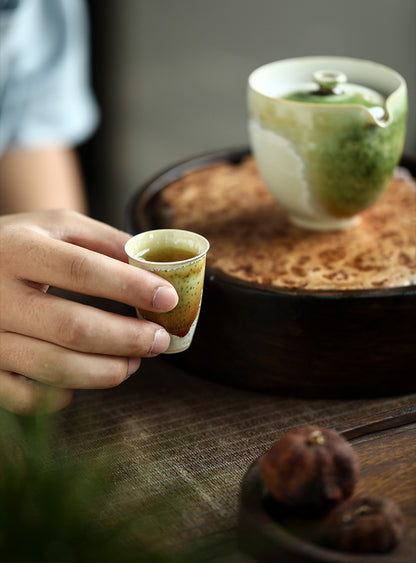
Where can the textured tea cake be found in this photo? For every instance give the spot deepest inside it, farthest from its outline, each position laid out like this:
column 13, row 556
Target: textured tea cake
column 252, row 239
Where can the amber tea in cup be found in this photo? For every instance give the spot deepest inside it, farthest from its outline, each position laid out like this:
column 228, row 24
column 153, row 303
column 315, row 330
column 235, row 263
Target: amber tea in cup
column 168, row 254
column 179, row 257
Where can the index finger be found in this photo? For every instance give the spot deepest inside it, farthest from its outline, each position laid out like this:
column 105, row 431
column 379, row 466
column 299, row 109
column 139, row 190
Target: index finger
column 39, row 258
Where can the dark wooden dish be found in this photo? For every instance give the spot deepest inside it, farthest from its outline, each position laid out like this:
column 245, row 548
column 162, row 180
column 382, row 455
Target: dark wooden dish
column 386, row 448
column 287, row 341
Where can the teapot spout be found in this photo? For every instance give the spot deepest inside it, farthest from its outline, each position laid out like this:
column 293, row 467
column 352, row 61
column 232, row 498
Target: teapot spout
column 380, row 116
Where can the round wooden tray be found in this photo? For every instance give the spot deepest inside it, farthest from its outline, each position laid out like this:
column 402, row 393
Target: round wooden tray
column 386, row 448
column 288, row 341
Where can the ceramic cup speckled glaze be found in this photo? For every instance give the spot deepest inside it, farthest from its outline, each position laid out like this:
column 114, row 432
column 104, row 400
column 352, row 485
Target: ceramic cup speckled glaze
column 179, row 257
column 325, row 162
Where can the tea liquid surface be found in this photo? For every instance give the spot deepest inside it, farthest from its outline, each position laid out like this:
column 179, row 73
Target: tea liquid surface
column 166, row 254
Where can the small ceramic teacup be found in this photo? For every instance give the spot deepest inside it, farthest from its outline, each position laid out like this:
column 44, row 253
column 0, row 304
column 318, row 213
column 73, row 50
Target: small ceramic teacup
column 178, row 256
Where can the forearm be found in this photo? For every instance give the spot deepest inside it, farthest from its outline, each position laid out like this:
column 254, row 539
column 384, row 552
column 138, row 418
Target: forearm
column 36, row 179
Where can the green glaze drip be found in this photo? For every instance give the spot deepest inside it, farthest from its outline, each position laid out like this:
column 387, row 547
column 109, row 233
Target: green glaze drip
column 348, row 171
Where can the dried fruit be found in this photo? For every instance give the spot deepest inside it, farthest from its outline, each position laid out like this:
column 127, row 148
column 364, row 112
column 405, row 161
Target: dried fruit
column 365, row 524
column 310, row 467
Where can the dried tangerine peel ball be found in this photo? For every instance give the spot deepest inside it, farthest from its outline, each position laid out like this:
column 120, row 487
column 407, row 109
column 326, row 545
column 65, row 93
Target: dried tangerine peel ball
column 365, row 524
column 310, row 467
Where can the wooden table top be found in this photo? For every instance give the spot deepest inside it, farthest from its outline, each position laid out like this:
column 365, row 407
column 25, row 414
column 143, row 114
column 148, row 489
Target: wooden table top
column 177, row 432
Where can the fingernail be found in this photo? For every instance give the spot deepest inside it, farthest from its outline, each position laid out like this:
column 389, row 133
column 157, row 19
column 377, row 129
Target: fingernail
column 165, row 298
column 134, row 364
column 161, row 341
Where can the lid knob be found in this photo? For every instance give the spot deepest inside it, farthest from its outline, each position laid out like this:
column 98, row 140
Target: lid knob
column 329, row 80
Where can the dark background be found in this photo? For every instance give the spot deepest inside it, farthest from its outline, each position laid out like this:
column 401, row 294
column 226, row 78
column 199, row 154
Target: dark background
column 170, row 76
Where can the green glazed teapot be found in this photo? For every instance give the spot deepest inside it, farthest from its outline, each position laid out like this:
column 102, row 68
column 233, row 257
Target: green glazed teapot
column 326, row 134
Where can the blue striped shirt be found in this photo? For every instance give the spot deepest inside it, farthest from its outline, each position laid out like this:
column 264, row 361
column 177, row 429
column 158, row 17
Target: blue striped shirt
column 45, row 93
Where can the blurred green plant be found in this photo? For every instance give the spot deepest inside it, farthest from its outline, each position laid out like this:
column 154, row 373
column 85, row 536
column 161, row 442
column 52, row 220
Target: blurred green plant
column 54, row 504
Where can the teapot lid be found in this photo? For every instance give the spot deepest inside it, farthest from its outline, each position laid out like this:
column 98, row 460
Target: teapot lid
column 332, row 87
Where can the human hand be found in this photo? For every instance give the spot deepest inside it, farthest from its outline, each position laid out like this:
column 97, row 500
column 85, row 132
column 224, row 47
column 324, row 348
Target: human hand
column 57, row 344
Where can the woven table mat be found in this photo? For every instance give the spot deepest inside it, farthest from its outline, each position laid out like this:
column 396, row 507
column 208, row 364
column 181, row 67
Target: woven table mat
column 184, row 443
